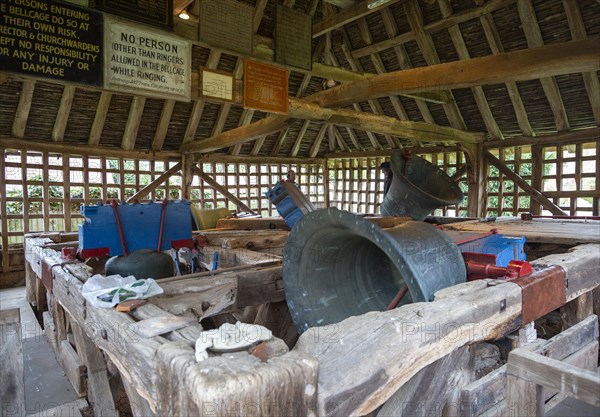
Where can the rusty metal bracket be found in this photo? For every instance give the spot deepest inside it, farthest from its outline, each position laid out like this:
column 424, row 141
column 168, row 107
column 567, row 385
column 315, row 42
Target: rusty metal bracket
column 542, row 292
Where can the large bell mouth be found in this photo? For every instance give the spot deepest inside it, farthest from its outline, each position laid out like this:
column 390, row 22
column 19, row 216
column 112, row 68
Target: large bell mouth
column 418, row 188
column 337, row 265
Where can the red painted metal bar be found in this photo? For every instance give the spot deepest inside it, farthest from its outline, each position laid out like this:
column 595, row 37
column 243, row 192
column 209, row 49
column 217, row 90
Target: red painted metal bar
column 398, row 297
column 115, row 206
column 162, row 223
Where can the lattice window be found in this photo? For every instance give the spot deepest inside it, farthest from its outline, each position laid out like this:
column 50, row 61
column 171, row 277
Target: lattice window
column 571, row 177
column 453, row 164
column 250, row 181
column 504, row 197
column 356, row 184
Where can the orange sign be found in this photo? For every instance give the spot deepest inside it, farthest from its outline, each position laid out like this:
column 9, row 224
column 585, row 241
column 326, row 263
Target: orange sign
column 265, row 87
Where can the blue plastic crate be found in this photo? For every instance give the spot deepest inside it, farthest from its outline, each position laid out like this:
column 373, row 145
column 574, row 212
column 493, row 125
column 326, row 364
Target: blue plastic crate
column 286, row 207
column 140, row 224
column 503, row 247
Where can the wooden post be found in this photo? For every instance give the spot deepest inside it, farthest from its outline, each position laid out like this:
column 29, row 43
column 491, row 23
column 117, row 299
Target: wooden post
column 523, row 398
column 12, row 387
column 187, row 176
column 5, row 256
column 476, row 177
column 99, row 392
column 576, row 310
column 537, row 172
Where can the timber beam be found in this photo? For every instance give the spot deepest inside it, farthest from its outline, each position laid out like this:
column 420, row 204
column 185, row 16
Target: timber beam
column 546, row 61
column 562, row 138
column 301, row 109
column 85, row 150
column 416, row 150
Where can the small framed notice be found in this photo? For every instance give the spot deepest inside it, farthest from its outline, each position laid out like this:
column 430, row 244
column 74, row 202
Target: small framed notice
column 265, row 87
column 216, row 85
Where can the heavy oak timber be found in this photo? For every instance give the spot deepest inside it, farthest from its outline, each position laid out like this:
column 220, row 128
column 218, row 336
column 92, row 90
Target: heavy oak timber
column 85, row 150
column 565, row 58
column 22, row 112
column 514, row 177
column 163, row 125
column 493, row 38
column 356, row 376
column 534, row 38
column 133, row 122
column 453, row 20
column 266, row 126
column 213, row 183
column 154, row 184
column 590, row 79
column 64, row 110
column 99, row 118
column 381, row 124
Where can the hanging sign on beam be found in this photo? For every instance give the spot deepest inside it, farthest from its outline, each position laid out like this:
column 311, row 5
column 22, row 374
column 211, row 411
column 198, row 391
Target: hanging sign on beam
column 265, row 87
column 216, row 85
column 227, row 24
column 293, row 38
column 153, row 64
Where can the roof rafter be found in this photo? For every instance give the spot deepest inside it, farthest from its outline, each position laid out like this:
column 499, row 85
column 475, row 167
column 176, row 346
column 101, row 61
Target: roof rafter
column 493, row 38
column 478, row 93
column 590, row 79
column 452, row 20
column 64, row 110
column 23, row 108
column 534, row 38
column 427, row 47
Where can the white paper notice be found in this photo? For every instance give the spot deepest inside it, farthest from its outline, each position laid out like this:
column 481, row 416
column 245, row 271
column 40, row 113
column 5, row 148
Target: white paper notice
column 147, row 63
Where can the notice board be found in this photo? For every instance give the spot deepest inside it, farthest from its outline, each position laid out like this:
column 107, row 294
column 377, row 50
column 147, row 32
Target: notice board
column 265, row 87
column 50, row 39
column 227, row 24
column 293, row 38
column 150, row 63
